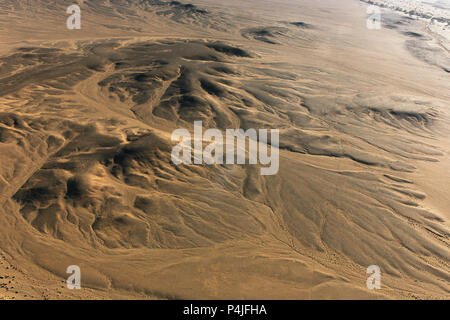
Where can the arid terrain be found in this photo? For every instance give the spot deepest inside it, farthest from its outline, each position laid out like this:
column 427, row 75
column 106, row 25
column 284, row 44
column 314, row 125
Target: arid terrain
column 86, row 176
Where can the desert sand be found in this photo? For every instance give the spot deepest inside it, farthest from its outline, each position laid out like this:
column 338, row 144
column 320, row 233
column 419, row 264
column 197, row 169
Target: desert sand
column 86, row 178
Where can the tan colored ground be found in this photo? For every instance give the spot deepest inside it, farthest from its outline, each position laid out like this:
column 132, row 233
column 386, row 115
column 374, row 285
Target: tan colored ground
column 86, row 177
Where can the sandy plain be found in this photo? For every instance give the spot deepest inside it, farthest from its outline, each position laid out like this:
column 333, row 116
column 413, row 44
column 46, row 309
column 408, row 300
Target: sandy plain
column 85, row 172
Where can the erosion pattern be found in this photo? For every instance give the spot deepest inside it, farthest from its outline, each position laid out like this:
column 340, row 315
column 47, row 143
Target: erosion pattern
column 86, row 176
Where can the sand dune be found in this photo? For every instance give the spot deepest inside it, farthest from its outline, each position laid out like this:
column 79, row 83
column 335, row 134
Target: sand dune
column 86, row 176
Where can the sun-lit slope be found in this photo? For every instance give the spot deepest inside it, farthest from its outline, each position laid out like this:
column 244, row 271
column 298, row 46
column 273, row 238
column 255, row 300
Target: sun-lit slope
column 86, row 176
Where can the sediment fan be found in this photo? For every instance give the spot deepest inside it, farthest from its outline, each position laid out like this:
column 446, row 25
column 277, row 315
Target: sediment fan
column 86, row 176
